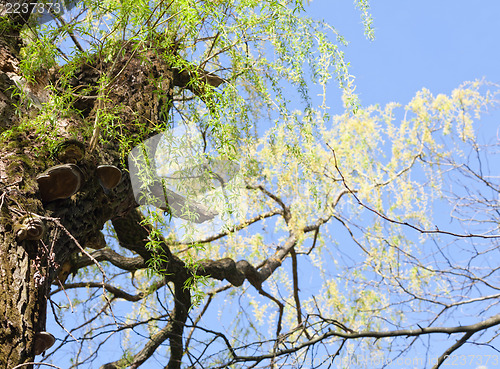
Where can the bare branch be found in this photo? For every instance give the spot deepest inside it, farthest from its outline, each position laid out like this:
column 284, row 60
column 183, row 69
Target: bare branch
column 117, row 293
column 406, row 224
column 236, row 228
column 296, row 289
column 280, row 306
column 286, row 210
column 457, row 344
column 469, row 329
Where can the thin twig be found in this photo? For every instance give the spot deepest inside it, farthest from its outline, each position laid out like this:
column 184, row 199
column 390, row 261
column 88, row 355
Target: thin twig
column 36, row 363
column 57, row 320
column 281, row 308
column 104, row 277
column 385, row 217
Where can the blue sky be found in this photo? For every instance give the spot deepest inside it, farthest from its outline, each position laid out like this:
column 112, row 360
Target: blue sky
column 432, row 44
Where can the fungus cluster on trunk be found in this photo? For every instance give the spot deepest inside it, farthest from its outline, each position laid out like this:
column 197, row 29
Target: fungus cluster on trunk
column 64, row 180
column 60, row 182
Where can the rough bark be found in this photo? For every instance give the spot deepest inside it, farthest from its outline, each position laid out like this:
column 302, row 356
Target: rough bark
column 22, row 266
column 27, row 267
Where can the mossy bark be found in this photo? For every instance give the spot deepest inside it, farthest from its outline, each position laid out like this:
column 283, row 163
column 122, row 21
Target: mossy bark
column 28, row 267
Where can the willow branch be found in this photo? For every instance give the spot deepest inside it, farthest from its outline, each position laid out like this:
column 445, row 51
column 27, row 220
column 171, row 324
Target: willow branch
column 406, row 224
column 473, row 328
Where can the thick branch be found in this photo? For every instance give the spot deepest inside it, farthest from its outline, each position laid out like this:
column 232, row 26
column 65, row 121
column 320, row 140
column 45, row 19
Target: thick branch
column 182, row 305
column 296, row 297
column 119, row 261
column 234, row 272
column 134, row 236
column 172, row 331
column 131, row 234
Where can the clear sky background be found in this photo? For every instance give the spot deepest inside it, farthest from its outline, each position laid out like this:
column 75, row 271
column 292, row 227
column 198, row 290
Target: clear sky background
column 427, row 43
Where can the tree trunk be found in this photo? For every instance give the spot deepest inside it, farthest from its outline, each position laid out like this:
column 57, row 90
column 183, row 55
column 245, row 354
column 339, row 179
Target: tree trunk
column 28, row 265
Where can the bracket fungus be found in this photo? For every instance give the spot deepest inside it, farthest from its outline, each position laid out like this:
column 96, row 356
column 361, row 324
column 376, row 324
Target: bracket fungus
column 43, row 341
column 59, row 182
column 30, row 227
column 70, row 151
column 109, row 176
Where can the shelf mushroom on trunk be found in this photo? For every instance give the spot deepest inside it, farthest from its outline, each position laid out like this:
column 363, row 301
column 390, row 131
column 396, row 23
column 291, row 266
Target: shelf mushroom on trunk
column 109, row 176
column 43, row 341
column 59, row 182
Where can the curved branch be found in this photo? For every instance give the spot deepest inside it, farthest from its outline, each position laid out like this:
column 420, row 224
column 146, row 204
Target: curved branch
column 35, row 363
column 281, row 308
column 196, row 81
column 107, row 254
column 131, row 234
column 197, row 320
column 148, row 349
column 485, row 324
column 134, row 236
column 172, row 331
column 406, row 224
column 286, row 210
